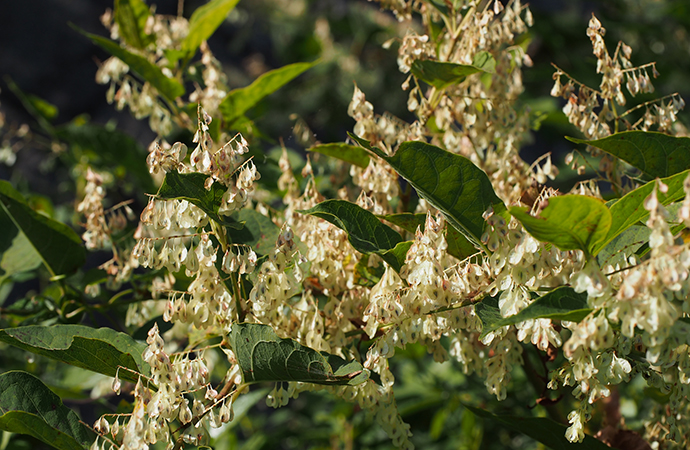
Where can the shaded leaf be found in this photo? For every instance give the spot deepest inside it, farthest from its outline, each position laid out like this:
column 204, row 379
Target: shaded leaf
column 395, row 257
column 204, row 22
column 170, row 88
column 656, row 154
column 57, row 245
column 629, row 210
column 458, row 245
column 349, row 153
column 143, row 331
column 365, row 232
column 570, row 222
column 110, row 146
column 131, row 17
column 263, row 356
column 100, row 350
column 259, row 231
column 622, row 246
column 450, row 183
column 541, row 429
column 562, row 303
column 42, row 107
column 239, row 101
column 444, row 74
column 17, row 254
column 190, row 187
column 29, row 407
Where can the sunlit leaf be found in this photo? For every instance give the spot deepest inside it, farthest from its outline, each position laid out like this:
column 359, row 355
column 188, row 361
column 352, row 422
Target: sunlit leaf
column 131, row 17
column 263, row 356
column 629, row 210
column 444, row 74
column 204, row 22
column 656, row 154
column 349, row 153
column 365, row 232
column 170, row 88
column 541, row 429
column 450, row 183
column 562, row 303
column 570, row 222
column 458, row 245
column 57, row 245
column 100, row 350
column 622, row 246
column 44, row 108
column 239, row 101
column 27, row 406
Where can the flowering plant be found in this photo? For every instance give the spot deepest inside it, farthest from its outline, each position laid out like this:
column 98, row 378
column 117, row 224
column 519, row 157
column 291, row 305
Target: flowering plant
column 439, row 236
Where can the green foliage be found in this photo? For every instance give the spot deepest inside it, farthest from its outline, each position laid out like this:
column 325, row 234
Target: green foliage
column 443, row 74
column 560, row 304
column 449, row 182
column 34, row 236
column 655, row 154
column 29, row 407
column 131, row 17
column 570, row 222
column 264, row 356
column 204, row 22
column 349, row 153
column 101, row 350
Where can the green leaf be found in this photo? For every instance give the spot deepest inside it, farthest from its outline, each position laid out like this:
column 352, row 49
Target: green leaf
column 365, row 232
column 444, row 74
column 110, row 147
column 57, row 245
column 239, row 101
column 170, row 88
column 629, row 210
column 562, row 303
column 47, row 110
column 190, row 187
column 17, row 254
column 263, row 356
column 396, row 256
column 204, row 22
column 100, row 350
column 131, row 17
column 349, row 153
column 450, row 183
column 259, row 231
column 546, row 431
column 622, row 246
column 570, row 222
column 458, row 245
column 29, row 407
column 656, row 154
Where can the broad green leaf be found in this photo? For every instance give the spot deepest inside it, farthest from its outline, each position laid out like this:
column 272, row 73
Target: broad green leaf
column 131, row 17
column 395, row 257
column 629, row 210
column 239, row 101
column 623, row 246
column 190, row 187
column 100, row 350
column 562, row 303
column 17, row 254
column 110, row 147
column 170, row 88
column 444, row 74
column 570, row 222
column 29, row 407
column 259, row 231
column 204, row 22
column 365, row 232
column 541, row 429
column 57, row 245
column 656, row 154
column 458, row 245
column 263, row 356
column 450, row 183
column 349, row 153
